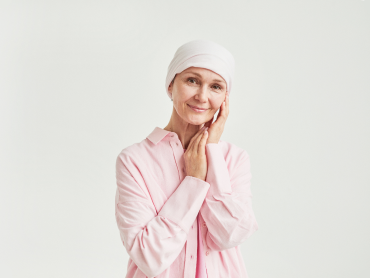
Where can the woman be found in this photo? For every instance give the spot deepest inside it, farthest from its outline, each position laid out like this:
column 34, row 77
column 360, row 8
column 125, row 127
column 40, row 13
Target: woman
column 183, row 201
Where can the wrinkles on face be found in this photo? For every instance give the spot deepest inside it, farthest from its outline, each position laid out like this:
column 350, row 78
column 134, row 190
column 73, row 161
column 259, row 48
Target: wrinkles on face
column 197, row 87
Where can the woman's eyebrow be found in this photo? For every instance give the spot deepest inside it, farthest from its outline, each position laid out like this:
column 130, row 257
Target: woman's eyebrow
column 197, row 74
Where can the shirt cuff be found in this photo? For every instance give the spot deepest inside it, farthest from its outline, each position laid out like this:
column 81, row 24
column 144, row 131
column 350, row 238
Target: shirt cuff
column 184, row 204
column 218, row 173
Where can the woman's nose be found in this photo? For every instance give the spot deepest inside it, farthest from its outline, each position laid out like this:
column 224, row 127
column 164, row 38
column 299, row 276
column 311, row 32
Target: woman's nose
column 202, row 93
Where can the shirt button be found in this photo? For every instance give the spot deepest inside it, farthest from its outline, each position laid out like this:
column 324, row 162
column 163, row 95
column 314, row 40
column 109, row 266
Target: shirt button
column 192, row 226
column 177, row 144
column 191, row 256
column 172, row 135
column 204, row 224
column 207, row 253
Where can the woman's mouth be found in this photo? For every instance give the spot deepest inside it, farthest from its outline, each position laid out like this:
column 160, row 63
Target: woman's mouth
column 196, row 109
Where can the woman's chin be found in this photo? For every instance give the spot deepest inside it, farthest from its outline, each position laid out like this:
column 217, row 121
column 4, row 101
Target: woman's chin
column 196, row 121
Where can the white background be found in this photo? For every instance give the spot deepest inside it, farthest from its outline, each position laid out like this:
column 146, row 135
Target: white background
column 81, row 80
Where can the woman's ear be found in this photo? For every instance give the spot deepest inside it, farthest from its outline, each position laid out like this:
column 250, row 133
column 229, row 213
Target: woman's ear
column 170, row 87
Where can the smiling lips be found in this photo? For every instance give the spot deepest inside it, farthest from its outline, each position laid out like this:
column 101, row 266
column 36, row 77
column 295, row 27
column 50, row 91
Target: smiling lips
column 197, row 109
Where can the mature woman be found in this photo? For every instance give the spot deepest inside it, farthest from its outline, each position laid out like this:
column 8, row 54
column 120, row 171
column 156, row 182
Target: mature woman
column 183, row 201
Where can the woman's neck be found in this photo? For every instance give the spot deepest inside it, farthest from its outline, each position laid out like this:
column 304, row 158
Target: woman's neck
column 183, row 129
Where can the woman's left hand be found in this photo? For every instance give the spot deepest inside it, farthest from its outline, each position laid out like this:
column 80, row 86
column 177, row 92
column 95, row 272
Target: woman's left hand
column 216, row 128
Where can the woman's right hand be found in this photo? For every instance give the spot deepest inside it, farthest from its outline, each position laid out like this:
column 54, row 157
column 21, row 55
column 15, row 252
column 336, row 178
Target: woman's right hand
column 195, row 155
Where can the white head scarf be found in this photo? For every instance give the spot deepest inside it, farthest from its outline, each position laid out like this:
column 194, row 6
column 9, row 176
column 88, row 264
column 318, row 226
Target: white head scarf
column 203, row 54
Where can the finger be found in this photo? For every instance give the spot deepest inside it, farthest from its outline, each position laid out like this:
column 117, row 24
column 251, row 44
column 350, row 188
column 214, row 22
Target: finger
column 218, row 115
column 194, row 138
column 222, row 116
column 223, row 107
column 197, row 140
column 227, row 102
column 202, row 143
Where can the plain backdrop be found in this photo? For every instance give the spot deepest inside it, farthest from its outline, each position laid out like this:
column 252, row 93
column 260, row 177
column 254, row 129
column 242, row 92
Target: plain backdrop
column 81, row 80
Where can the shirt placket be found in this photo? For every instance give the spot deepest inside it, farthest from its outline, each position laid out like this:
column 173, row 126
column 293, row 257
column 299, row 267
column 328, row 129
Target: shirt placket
column 191, row 241
column 206, row 251
column 178, row 152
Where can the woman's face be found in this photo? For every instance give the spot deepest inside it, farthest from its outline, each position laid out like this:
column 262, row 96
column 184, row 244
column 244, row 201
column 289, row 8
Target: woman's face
column 197, row 87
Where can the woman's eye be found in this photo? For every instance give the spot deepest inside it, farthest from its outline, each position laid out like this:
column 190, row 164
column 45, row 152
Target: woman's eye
column 191, row 80
column 217, row 87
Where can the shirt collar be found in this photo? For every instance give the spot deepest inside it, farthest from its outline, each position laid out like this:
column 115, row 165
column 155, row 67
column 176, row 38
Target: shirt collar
column 157, row 135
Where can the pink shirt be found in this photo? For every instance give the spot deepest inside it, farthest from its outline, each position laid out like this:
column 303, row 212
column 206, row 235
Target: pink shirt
column 158, row 208
column 201, row 271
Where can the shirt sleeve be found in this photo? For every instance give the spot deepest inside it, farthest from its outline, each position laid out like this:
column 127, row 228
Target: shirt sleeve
column 227, row 209
column 153, row 241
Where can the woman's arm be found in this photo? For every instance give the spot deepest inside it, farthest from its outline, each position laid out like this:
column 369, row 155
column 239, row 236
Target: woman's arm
column 227, row 209
column 154, row 241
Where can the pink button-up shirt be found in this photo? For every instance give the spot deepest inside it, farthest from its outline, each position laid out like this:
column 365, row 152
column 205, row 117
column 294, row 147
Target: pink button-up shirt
column 157, row 209
column 201, row 262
